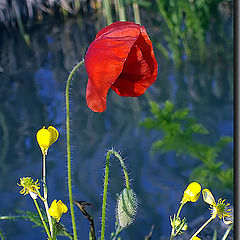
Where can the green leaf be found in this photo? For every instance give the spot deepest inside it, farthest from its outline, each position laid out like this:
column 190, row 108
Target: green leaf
column 154, row 107
column 168, row 107
column 181, row 114
column 199, row 128
column 223, row 141
column 34, row 218
column 179, row 133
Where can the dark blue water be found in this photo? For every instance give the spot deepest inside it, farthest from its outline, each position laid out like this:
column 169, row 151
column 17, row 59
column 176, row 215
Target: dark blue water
column 32, row 96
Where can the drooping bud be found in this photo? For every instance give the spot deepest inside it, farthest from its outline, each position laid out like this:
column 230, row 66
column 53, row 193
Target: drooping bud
column 192, row 192
column 126, row 210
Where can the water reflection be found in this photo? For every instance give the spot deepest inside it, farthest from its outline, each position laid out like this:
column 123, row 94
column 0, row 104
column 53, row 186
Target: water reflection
column 32, row 95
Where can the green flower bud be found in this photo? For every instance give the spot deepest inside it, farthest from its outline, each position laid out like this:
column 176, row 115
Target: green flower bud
column 126, row 207
column 185, row 226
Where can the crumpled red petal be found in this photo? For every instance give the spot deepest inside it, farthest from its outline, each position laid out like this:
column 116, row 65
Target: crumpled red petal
column 121, row 57
column 140, row 69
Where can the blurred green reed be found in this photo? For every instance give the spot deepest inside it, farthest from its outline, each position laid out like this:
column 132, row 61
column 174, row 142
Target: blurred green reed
column 188, row 23
column 107, row 11
column 184, row 24
column 120, row 9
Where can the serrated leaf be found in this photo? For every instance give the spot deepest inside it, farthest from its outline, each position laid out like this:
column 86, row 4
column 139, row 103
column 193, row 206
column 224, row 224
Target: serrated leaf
column 223, row 141
column 154, row 107
column 181, row 114
column 157, row 145
column 199, row 128
column 149, row 123
column 168, row 107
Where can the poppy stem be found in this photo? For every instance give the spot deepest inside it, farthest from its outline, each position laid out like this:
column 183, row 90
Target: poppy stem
column 68, row 147
column 104, row 204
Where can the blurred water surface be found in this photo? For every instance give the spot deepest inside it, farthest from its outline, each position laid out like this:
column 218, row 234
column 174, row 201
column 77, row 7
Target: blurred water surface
column 32, row 96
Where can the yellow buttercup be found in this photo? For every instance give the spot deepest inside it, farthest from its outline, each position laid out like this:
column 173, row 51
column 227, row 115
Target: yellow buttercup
column 219, row 209
column 29, row 187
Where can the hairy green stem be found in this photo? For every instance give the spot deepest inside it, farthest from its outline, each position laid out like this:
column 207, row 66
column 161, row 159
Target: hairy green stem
column 104, row 204
column 117, row 155
column 45, row 195
column 40, row 215
column 68, row 147
column 202, row 227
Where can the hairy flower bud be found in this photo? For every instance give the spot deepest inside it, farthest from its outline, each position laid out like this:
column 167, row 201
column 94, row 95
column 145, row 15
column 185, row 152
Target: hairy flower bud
column 126, row 207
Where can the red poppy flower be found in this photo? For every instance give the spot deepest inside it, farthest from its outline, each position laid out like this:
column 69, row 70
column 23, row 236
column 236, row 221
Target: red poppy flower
column 121, row 58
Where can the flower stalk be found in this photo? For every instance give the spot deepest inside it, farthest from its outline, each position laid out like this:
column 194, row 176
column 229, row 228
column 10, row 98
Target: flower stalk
column 45, row 138
column 179, row 210
column 227, row 232
column 191, row 194
column 45, row 195
column 202, row 227
column 68, row 147
column 104, row 204
column 40, row 215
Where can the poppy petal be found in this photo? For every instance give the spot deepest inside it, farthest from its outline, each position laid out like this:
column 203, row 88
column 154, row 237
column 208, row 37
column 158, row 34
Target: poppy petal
column 119, row 27
column 104, row 61
column 140, row 69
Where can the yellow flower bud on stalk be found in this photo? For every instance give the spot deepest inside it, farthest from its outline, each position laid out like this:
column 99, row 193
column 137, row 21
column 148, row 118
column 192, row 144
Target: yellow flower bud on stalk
column 57, row 209
column 192, row 193
column 46, row 137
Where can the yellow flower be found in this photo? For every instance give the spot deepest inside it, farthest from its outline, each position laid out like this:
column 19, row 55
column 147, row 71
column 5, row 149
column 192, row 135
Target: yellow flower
column 217, row 209
column 196, row 238
column 46, row 137
column 57, row 209
column 29, row 187
column 192, row 193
